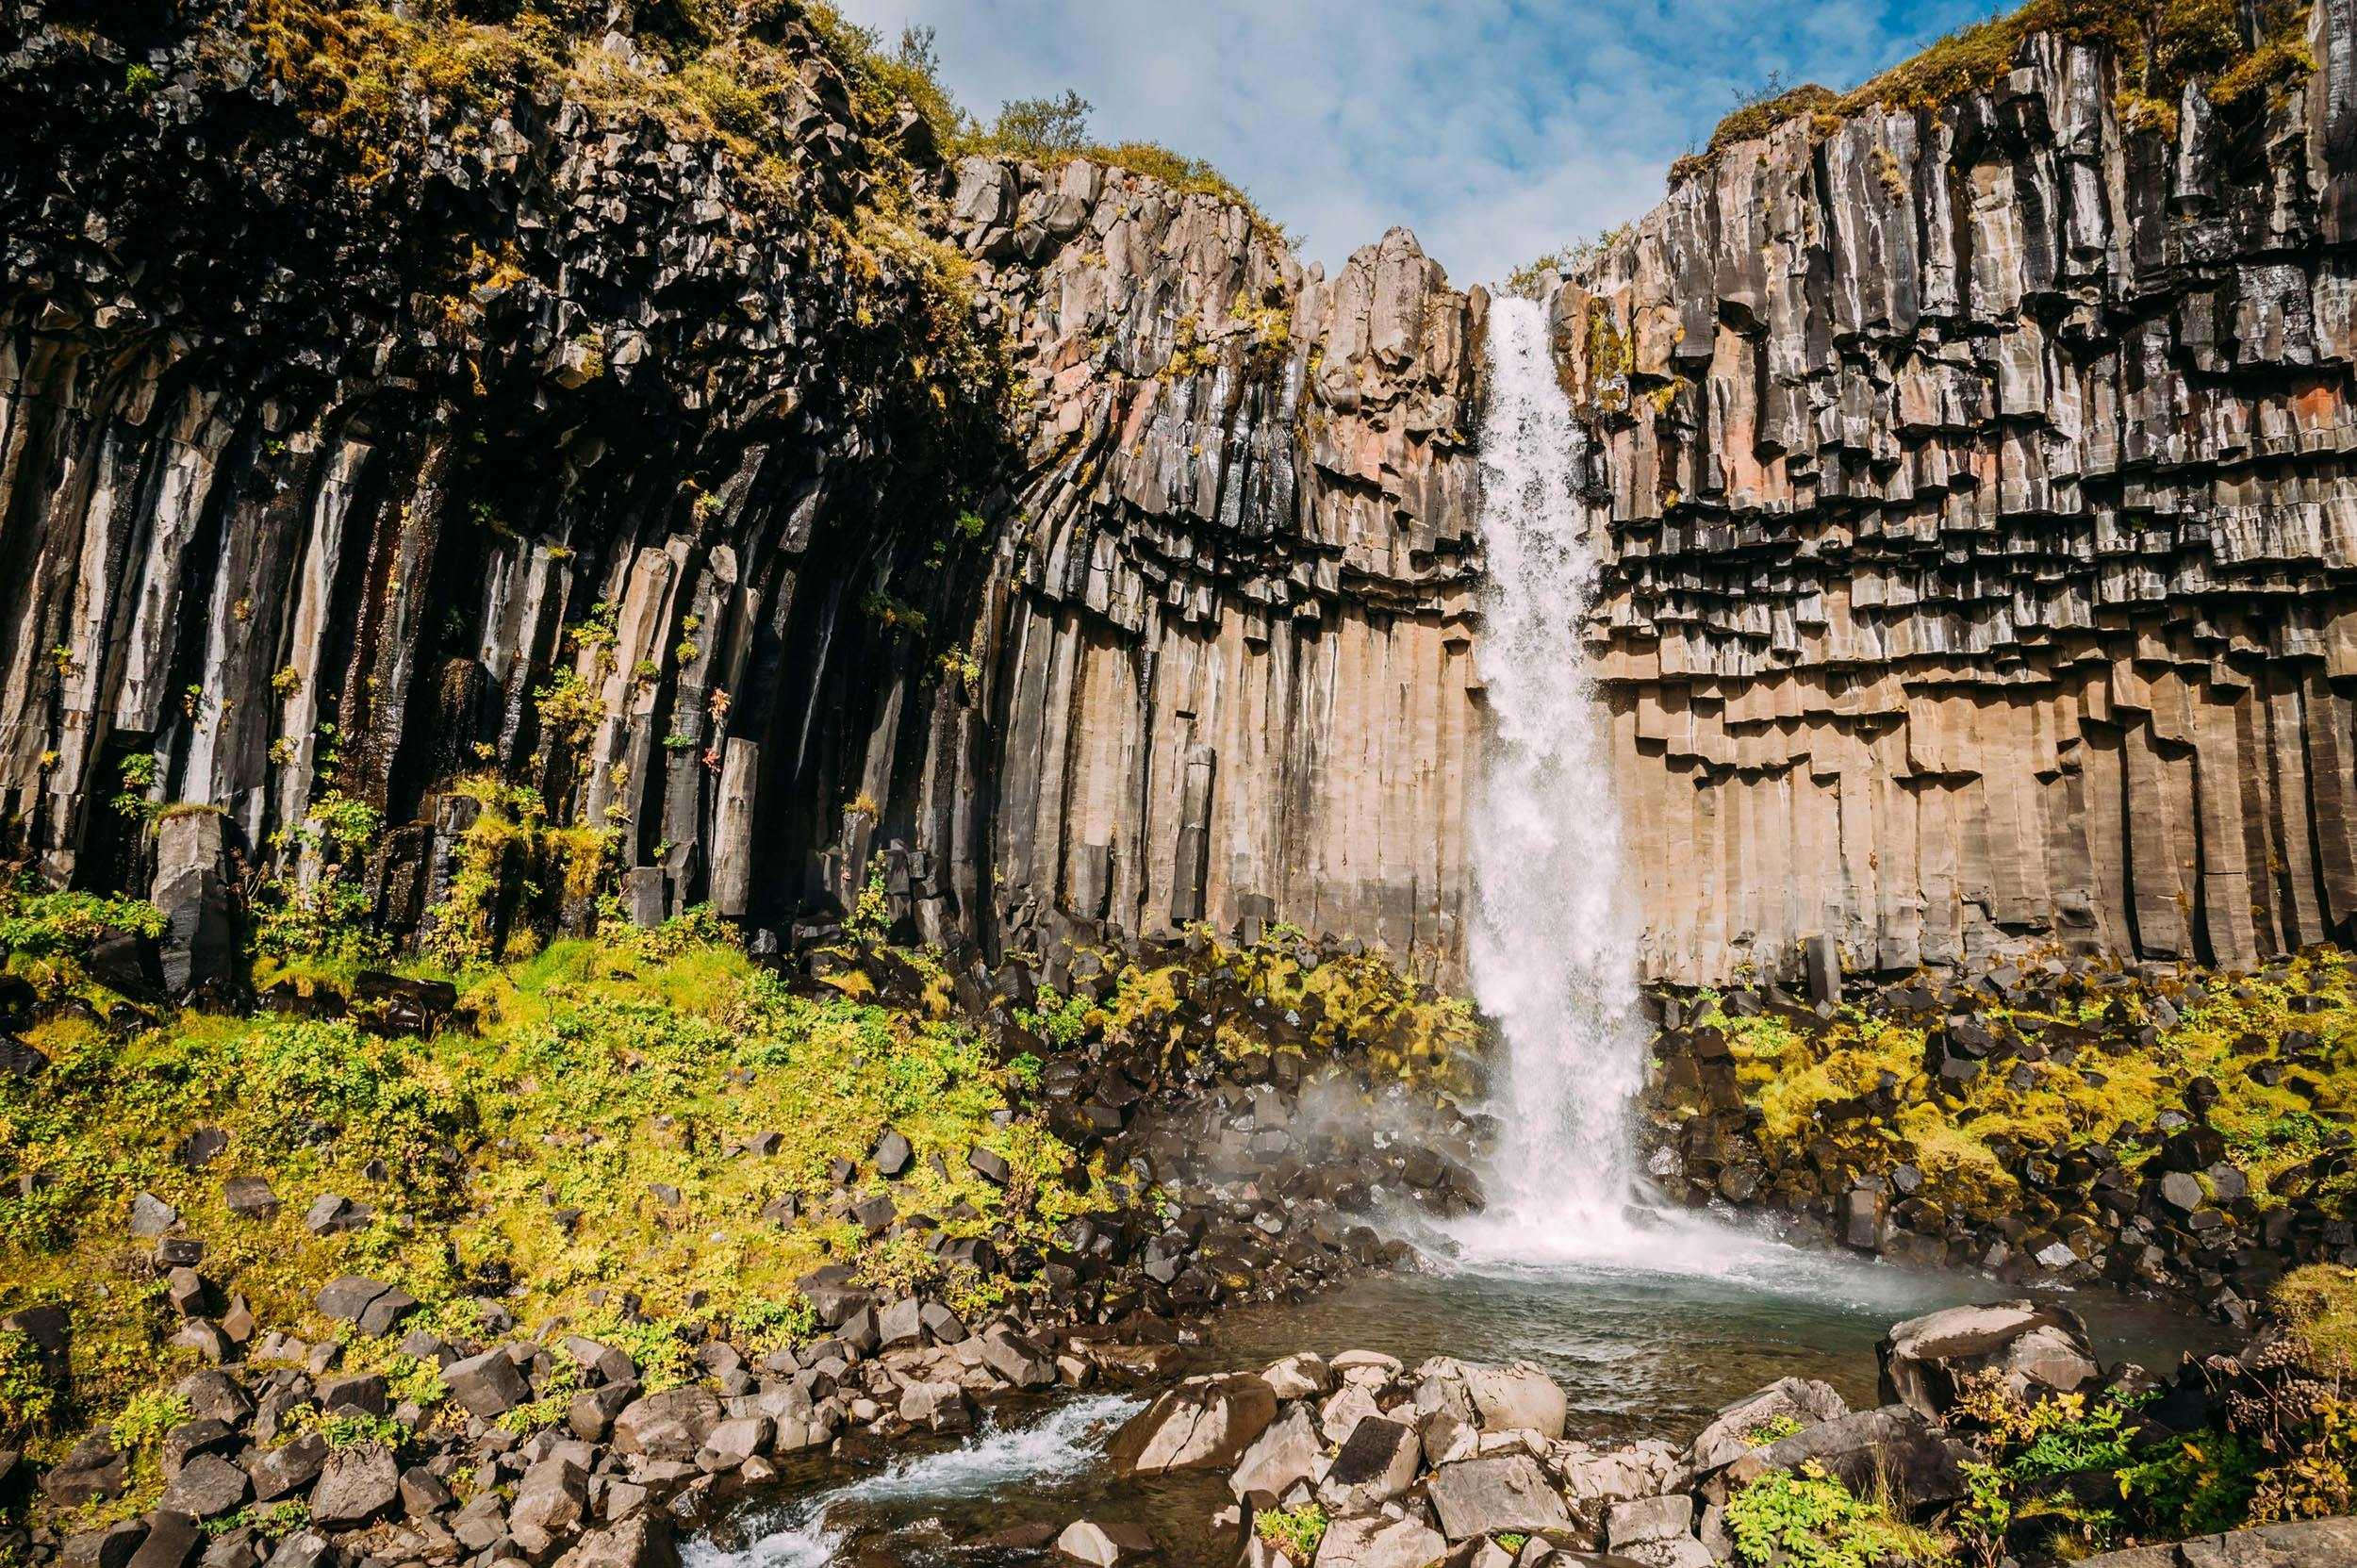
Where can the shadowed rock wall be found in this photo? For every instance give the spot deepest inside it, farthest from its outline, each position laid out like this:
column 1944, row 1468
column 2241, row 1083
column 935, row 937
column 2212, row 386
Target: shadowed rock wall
column 1983, row 532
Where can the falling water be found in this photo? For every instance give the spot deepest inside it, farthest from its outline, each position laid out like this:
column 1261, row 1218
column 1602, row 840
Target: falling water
column 1553, row 943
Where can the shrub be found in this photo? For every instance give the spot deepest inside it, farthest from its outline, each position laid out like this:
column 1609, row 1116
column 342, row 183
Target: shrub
column 1814, row 1520
column 27, row 1398
column 47, row 924
column 1295, row 1533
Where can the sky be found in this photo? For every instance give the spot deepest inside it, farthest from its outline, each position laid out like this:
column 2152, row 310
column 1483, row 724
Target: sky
column 1497, row 129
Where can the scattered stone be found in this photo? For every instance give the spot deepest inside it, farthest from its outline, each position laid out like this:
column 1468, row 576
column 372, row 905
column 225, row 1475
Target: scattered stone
column 1104, row 1545
column 1484, row 1496
column 357, row 1486
column 1202, row 1424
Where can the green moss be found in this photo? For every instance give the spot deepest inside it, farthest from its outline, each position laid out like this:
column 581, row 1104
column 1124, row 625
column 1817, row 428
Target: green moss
column 2318, row 1304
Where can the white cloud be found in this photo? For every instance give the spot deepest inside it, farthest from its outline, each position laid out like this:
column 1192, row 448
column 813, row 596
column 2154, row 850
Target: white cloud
column 1496, row 129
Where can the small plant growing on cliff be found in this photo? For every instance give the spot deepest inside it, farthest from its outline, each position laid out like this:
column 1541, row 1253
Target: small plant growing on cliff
column 286, row 682
column 62, row 657
column 568, row 708
column 1773, row 1430
column 871, row 917
column 135, row 799
column 140, row 79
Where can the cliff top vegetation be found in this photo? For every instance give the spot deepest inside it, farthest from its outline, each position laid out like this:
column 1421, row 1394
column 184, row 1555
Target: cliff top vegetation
column 2163, row 45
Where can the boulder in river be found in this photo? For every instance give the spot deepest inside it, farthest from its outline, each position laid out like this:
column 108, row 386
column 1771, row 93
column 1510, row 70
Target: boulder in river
column 1483, row 1496
column 1104, row 1545
column 1377, row 1541
column 1926, row 1359
column 1739, row 1427
column 1291, row 1451
column 1202, row 1424
column 1892, row 1447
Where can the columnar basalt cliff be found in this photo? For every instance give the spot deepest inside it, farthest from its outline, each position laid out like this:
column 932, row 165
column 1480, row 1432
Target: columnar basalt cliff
column 558, row 444
column 792, row 505
column 1985, row 538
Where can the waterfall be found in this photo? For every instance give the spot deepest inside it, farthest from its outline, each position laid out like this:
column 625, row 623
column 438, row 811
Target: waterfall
column 1553, row 943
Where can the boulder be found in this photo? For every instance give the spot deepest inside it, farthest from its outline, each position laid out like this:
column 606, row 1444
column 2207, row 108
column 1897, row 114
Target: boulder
column 1104, row 1545
column 151, row 1216
column 207, row 1487
column 1643, row 1521
column 370, row 1305
column 640, row 1540
column 1203, row 1423
column 1729, row 1436
column 551, row 1501
column 287, row 1469
column 733, row 1442
column 668, row 1426
column 1289, row 1451
column 2309, row 1544
column 1300, row 1377
column 937, row 1408
column 357, row 1486
column 1377, row 1462
column 172, row 1537
column 1017, row 1359
column 110, row 1547
column 1375, row 1541
column 1592, row 1482
column 94, row 1469
column 488, row 1385
column 200, row 943
column 1925, row 1360
column 1516, row 1397
column 1891, row 1448
column 1483, row 1496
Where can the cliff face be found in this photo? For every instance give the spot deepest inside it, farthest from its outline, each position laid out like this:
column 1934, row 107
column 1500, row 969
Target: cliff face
column 1227, row 623
column 537, row 437
column 1051, row 545
column 1986, row 549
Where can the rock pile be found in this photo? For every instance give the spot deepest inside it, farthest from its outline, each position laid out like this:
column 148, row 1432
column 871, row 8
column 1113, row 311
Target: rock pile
column 2157, row 1203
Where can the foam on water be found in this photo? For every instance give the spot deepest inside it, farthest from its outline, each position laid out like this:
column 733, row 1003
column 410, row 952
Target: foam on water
column 1067, row 1441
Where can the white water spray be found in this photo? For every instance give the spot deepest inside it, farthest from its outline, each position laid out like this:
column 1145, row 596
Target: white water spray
column 1065, row 1443
column 1553, row 945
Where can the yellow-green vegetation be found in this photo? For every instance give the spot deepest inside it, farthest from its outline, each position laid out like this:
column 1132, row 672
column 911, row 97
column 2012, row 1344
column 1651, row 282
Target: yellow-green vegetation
column 1812, row 1519
column 42, row 925
column 1294, row 1531
column 1774, row 1429
column 2318, row 1305
column 591, row 1133
column 2161, row 48
column 1526, row 280
column 509, row 851
column 1048, row 131
column 1794, row 1073
column 1406, row 1032
column 2283, row 1448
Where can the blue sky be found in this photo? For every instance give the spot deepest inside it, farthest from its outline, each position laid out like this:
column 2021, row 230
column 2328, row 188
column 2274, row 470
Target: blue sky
column 1496, row 129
